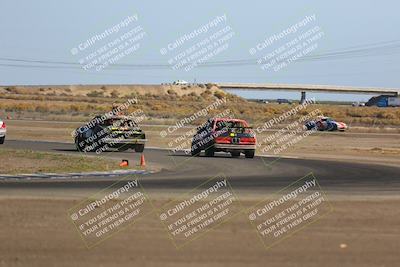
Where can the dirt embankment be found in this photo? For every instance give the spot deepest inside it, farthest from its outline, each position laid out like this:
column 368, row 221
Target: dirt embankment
column 173, row 102
column 37, row 232
column 115, row 91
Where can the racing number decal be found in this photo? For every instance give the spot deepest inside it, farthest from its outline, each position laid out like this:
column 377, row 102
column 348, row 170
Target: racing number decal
column 235, row 140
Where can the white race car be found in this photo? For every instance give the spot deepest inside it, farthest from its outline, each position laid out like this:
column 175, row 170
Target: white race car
column 326, row 124
column 3, row 131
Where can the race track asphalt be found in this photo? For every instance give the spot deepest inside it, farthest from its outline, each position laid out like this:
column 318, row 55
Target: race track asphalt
column 261, row 174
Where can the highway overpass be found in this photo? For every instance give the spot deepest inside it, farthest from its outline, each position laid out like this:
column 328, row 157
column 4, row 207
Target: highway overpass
column 310, row 88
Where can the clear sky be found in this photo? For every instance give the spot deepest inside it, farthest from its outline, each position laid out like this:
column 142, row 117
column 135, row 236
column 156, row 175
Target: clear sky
column 35, row 34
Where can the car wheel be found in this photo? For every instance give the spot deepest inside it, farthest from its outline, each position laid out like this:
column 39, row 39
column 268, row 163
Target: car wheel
column 2, row 140
column 79, row 147
column 210, row 152
column 139, row 148
column 195, row 152
column 249, row 154
column 235, row 154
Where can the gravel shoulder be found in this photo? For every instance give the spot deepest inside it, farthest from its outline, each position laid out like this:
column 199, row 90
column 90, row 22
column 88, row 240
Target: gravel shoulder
column 356, row 233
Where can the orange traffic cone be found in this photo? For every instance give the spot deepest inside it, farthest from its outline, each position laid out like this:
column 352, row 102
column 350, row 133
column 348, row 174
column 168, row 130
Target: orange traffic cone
column 124, row 163
column 142, row 161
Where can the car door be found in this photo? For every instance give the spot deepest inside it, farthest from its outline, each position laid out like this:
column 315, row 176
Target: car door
column 205, row 134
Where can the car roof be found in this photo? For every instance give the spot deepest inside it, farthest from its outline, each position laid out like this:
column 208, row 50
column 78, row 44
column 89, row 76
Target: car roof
column 117, row 117
column 229, row 119
column 233, row 120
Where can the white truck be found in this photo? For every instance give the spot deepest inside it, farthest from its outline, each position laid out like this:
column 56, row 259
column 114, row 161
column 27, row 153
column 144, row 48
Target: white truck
column 393, row 101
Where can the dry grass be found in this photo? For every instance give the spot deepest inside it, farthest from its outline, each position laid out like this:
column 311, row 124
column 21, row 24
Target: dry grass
column 27, row 161
column 166, row 102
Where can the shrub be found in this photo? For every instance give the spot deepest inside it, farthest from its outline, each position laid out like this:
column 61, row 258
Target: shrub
column 42, row 109
column 114, row 94
column 171, row 92
column 206, row 93
column 219, row 94
column 11, row 89
column 95, row 94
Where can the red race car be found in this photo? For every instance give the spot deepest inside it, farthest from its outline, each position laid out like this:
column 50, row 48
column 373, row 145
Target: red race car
column 224, row 134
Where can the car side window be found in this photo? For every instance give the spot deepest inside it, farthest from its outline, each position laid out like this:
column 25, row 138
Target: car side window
column 208, row 126
column 219, row 125
column 200, row 129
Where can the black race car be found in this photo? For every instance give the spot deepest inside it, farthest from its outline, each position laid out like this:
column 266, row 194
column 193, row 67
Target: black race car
column 102, row 133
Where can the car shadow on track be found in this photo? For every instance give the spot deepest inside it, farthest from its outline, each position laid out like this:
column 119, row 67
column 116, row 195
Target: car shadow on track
column 91, row 153
column 202, row 155
column 65, row 150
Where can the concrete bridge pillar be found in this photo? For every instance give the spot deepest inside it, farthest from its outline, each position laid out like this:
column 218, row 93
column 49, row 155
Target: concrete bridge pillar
column 303, row 97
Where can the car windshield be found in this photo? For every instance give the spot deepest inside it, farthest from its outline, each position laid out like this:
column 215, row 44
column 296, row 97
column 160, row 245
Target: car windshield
column 119, row 122
column 230, row 124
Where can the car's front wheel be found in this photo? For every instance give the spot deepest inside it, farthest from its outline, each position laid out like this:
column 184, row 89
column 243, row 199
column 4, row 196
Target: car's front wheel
column 195, row 151
column 139, row 148
column 210, row 151
column 83, row 146
column 78, row 145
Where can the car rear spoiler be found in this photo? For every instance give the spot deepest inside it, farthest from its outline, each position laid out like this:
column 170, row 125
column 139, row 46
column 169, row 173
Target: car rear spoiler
column 240, row 127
